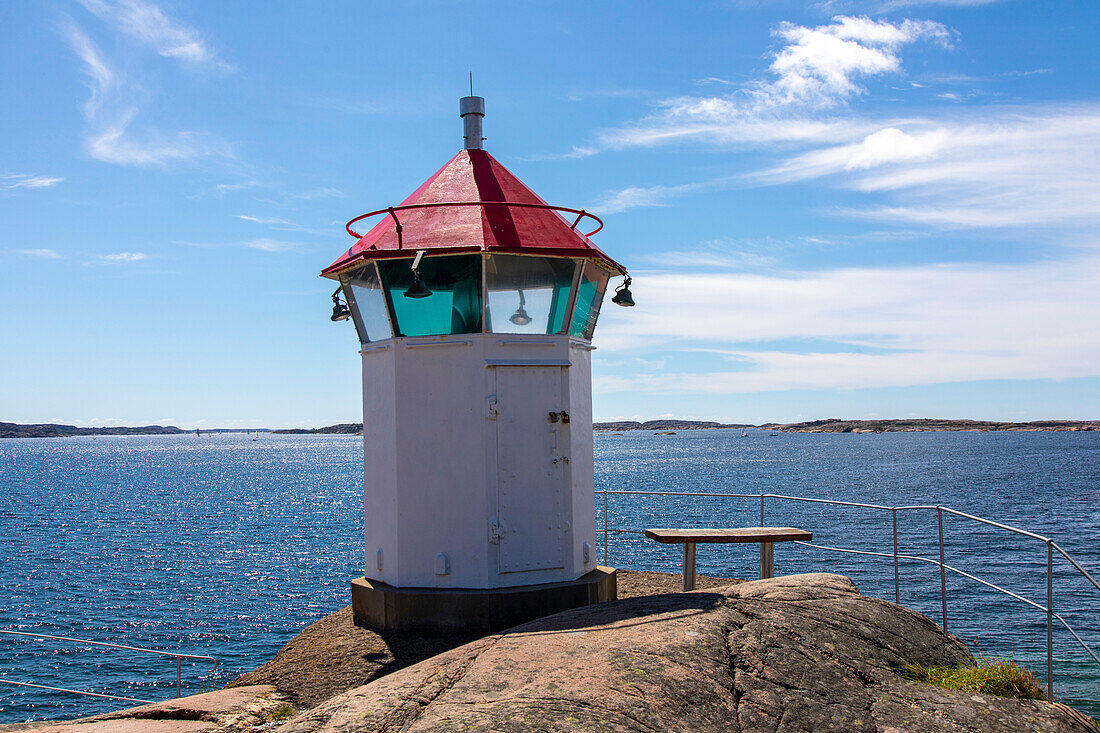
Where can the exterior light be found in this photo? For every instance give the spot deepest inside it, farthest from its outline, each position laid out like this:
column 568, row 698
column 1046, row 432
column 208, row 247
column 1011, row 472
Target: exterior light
column 623, row 296
column 520, row 317
column 340, row 311
column 418, row 289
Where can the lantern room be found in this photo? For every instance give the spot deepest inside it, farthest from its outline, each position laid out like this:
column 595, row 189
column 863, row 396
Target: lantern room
column 475, row 304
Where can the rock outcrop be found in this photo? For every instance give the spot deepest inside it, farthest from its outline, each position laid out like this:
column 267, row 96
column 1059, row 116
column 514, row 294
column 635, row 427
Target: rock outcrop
column 238, row 709
column 796, row 653
column 333, row 655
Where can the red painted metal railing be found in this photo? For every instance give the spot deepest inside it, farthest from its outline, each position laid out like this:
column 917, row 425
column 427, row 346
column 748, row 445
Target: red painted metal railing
column 392, row 211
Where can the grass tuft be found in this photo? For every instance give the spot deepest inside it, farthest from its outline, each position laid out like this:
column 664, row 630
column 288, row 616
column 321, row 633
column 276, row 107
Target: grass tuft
column 283, row 712
column 1000, row 677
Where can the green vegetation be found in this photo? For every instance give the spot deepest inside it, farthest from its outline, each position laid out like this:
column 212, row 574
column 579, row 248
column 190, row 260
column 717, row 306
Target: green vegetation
column 283, row 712
column 1000, row 677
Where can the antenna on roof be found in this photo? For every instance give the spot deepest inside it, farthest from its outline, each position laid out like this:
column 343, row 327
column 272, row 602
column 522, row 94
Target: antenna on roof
column 471, row 83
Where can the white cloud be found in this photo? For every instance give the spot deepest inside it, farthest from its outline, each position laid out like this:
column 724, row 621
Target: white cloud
column 634, row 197
column 264, row 220
column 816, row 69
column 22, row 180
column 1011, row 167
column 111, row 108
column 146, row 23
column 113, row 143
column 993, row 167
column 242, row 186
column 101, row 76
column 819, row 67
column 885, row 326
column 119, row 257
column 269, row 245
column 48, row 254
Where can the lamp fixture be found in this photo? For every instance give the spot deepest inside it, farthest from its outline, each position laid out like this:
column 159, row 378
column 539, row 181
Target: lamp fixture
column 520, row 317
column 622, row 295
column 418, row 289
column 340, row 311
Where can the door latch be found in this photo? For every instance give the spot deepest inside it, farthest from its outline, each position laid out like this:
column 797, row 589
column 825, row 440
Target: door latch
column 562, row 417
column 494, row 407
column 496, row 532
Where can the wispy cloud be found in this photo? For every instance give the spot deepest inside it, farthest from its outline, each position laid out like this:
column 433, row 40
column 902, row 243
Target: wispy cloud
column 634, row 197
column 992, row 167
column 885, row 326
column 284, row 225
column 48, row 254
column 120, row 257
column 110, row 111
column 22, row 180
column 149, row 25
column 242, row 186
column 816, row 69
column 265, row 220
column 269, row 245
column 1008, row 167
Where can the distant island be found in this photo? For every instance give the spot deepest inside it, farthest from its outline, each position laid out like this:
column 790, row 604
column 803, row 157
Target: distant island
column 666, row 425
column 919, row 425
column 347, row 428
column 53, row 430
column 830, row 425
column 13, row 430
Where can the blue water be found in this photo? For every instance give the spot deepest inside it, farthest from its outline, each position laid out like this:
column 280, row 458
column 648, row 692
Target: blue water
column 226, row 546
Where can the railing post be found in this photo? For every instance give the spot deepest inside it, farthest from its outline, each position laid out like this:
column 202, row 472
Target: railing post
column 605, row 548
column 943, row 574
column 1050, row 622
column 761, row 509
column 897, row 587
column 178, row 677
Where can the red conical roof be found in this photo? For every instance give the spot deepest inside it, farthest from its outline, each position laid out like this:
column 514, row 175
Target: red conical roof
column 471, row 176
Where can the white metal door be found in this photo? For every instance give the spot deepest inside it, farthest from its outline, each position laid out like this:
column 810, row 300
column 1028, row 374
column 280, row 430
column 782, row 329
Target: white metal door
column 532, row 447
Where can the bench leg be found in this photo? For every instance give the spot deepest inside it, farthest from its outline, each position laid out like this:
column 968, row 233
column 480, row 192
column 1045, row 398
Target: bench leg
column 765, row 560
column 689, row 566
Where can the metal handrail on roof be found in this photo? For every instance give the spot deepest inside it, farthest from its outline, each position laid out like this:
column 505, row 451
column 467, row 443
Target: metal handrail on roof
column 940, row 510
column 49, row 637
column 581, row 214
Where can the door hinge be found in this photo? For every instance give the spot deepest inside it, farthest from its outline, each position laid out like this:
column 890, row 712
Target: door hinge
column 494, row 408
column 496, row 532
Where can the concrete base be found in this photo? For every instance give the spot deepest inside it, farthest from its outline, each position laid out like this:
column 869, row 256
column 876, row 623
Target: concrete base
column 380, row 607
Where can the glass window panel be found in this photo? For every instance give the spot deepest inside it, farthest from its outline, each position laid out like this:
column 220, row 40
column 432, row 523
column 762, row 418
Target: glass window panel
column 454, row 305
column 589, row 298
column 528, row 294
column 370, row 303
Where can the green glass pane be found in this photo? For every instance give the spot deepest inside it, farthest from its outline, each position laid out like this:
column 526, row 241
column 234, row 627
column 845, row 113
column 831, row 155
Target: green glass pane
column 454, row 305
column 589, row 298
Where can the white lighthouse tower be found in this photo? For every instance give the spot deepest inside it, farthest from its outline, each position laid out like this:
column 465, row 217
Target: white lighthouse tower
column 475, row 302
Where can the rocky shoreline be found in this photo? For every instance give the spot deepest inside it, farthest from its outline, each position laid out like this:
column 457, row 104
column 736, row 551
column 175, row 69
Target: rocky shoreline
column 794, row 653
column 920, row 425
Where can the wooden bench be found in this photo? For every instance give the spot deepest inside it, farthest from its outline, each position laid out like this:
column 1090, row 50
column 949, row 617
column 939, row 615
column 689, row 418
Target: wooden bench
column 764, row 535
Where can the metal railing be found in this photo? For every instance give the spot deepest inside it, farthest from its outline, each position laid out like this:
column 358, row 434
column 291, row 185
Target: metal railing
column 179, row 662
column 944, row 568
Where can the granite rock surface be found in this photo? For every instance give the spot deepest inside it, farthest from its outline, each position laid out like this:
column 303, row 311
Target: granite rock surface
column 796, row 653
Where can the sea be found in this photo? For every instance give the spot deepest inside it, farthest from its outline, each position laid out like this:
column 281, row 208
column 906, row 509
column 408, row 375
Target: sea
column 228, row 545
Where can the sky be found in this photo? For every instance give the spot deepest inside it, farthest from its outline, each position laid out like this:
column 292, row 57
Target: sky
column 846, row 209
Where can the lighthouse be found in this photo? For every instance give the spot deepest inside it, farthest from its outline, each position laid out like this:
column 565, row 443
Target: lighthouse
column 475, row 304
